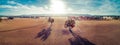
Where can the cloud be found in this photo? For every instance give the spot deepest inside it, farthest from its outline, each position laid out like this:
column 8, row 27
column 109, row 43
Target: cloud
column 7, row 6
column 94, row 7
column 108, row 7
column 12, row 2
column 104, row 7
column 19, row 8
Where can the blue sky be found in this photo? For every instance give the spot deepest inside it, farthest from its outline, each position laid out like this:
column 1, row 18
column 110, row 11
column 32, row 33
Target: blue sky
column 94, row 7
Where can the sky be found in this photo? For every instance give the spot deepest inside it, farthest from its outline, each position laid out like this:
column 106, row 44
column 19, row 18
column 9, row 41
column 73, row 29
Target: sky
column 93, row 7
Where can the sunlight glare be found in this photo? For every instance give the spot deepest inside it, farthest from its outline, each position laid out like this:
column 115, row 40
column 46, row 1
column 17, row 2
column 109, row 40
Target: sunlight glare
column 57, row 7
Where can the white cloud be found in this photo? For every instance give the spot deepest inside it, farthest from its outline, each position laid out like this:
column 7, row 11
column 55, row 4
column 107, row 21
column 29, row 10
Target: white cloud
column 24, row 9
column 7, row 6
column 86, row 8
column 11, row 2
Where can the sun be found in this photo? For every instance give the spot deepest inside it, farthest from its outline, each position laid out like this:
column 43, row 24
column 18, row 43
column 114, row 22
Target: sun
column 57, row 7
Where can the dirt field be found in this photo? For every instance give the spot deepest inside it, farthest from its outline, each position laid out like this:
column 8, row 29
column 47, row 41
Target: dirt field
column 26, row 31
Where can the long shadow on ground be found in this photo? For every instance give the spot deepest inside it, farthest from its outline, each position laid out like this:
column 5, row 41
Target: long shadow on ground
column 44, row 34
column 78, row 40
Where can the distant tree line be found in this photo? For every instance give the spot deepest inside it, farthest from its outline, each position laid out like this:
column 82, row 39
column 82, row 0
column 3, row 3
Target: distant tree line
column 12, row 17
column 95, row 17
column 6, row 18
